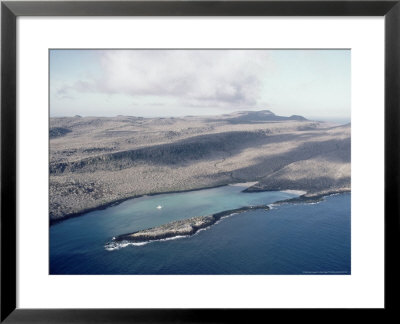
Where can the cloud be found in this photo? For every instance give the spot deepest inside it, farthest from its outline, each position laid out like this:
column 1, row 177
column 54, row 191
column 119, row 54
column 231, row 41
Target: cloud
column 192, row 77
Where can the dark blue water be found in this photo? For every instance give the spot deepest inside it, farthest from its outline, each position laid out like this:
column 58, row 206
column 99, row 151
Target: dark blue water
column 289, row 239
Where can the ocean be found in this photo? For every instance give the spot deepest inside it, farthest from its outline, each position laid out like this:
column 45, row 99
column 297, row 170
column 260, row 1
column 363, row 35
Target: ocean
column 301, row 238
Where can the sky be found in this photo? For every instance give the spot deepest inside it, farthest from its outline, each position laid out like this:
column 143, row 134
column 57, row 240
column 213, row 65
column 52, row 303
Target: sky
column 160, row 83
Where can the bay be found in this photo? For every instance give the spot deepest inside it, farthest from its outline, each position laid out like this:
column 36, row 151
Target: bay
column 289, row 239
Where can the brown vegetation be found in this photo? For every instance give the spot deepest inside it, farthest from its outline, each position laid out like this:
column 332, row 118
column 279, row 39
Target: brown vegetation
column 96, row 161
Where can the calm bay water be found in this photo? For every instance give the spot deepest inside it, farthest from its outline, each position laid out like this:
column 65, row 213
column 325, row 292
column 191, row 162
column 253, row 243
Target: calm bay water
column 289, row 239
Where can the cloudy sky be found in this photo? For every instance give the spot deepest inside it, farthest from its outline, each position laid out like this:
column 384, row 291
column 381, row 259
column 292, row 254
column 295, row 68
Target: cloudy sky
column 312, row 83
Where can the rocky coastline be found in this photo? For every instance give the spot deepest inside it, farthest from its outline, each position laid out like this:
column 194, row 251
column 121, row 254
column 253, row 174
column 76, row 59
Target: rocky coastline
column 315, row 198
column 185, row 227
column 308, row 197
column 190, row 226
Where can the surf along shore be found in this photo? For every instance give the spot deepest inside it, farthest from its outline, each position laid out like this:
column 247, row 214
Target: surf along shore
column 190, row 226
column 185, row 227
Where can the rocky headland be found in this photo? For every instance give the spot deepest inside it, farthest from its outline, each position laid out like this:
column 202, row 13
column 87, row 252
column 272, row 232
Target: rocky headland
column 185, row 227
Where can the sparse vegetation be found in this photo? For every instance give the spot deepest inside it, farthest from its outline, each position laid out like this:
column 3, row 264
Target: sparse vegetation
column 98, row 161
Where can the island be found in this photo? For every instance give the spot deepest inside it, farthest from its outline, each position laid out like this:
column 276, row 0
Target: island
column 185, row 227
column 97, row 162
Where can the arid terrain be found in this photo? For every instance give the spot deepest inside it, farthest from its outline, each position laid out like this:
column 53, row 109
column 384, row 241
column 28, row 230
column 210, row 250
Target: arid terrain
column 97, row 161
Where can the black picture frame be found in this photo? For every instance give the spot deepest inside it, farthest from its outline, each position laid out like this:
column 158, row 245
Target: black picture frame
column 10, row 10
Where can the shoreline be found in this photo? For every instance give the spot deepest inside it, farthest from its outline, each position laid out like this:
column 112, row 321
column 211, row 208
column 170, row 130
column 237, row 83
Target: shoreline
column 302, row 198
column 191, row 226
column 310, row 199
column 121, row 200
column 180, row 228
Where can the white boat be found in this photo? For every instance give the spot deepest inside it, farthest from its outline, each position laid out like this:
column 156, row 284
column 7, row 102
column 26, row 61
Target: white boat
column 159, row 207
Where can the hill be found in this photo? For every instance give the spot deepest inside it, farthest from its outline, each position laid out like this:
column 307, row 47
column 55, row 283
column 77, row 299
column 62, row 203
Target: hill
column 95, row 161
